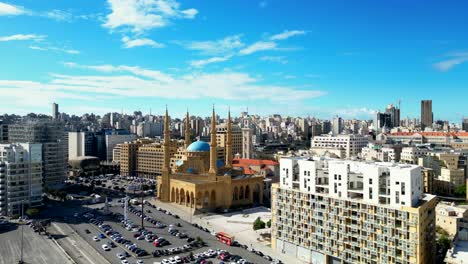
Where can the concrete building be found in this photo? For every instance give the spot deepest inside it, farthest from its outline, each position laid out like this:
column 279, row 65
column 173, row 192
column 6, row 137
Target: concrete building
column 52, row 136
column 3, row 132
column 465, row 124
column 221, row 140
column 451, row 218
column 351, row 145
column 150, row 158
column 384, row 153
column 247, row 144
column 334, row 211
column 80, row 144
column 411, row 155
column 337, row 125
column 427, row 117
column 382, row 120
column 128, row 158
column 114, row 137
column 55, row 111
column 20, row 177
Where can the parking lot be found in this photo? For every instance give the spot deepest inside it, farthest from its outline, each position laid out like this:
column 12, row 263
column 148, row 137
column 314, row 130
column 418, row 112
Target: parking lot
column 240, row 255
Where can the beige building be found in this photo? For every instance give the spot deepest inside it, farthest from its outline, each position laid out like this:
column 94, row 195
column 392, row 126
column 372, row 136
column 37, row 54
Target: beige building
column 221, row 140
column 202, row 181
column 451, row 218
column 150, row 158
column 352, row 212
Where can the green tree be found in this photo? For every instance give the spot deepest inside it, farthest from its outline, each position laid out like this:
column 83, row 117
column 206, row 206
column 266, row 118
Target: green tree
column 269, row 223
column 460, row 190
column 32, row 211
column 258, row 224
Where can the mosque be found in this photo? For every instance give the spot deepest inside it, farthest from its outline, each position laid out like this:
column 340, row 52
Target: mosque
column 202, row 182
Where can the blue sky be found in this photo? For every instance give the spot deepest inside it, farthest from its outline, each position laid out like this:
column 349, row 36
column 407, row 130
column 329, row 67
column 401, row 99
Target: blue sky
column 290, row 57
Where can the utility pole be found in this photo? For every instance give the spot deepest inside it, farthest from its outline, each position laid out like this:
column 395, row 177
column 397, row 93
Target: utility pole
column 142, row 206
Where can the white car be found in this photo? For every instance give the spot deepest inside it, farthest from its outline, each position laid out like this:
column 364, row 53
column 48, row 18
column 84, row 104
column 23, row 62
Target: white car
column 96, row 239
column 120, row 256
column 140, row 262
column 106, row 247
column 165, row 261
column 124, row 261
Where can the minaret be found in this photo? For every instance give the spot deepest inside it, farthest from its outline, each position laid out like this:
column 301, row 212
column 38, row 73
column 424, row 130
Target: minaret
column 187, row 130
column 229, row 142
column 164, row 192
column 213, row 146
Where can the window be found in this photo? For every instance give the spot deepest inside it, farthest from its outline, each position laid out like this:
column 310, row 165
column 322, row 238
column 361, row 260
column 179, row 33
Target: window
column 370, row 181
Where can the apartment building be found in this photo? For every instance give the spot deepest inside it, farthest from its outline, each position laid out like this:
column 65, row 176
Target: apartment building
column 20, row 177
column 150, row 158
column 350, row 144
column 221, row 139
column 451, row 218
column 384, row 153
column 336, row 211
column 52, row 136
column 115, row 137
column 411, row 155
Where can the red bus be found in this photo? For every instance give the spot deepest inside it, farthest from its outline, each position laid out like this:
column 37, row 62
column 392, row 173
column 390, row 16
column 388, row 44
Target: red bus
column 225, row 238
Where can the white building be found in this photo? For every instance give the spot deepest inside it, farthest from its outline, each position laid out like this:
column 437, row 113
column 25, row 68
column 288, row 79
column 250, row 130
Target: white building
column 20, row 177
column 351, row 144
column 342, row 211
column 411, row 155
column 375, row 152
column 79, row 144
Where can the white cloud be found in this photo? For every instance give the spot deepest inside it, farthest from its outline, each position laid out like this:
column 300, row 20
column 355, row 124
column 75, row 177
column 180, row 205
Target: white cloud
column 201, row 63
column 132, row 43
column 142, row 15
column 278, row 59
column 11, row 10
column 23, row 37
column 287, row 34
column 453, row 60
column 51, row 48
column 134, row 81
column 258, row 46
column 216, row 47
column 58, row 15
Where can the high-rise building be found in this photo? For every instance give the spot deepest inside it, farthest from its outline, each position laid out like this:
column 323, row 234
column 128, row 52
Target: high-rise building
column 427, row 117
column 52, row 136
column 55, row 111
column 334, row 211
column 394, row 115
column 382, row 120
column 20, row 177
column 247, row 145
column 3, row 132
column 80, row 144
column 337, row 125
column 465, row 124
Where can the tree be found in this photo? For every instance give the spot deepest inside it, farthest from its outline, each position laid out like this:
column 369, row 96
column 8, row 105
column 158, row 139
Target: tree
column 460, row 190
column 258, row 224
column 269, row 223
column 32, row 211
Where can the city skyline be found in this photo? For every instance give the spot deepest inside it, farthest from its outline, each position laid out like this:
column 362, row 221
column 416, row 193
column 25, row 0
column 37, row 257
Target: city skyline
column 190, row 54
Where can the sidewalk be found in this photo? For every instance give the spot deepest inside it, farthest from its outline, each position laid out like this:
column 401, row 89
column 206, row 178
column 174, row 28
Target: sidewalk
column 204, row 220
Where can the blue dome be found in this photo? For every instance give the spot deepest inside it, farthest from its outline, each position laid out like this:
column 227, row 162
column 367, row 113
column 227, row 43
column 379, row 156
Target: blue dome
column 199, row 146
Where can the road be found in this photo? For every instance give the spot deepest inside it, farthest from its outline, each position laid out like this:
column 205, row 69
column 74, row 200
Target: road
column 38, row 249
